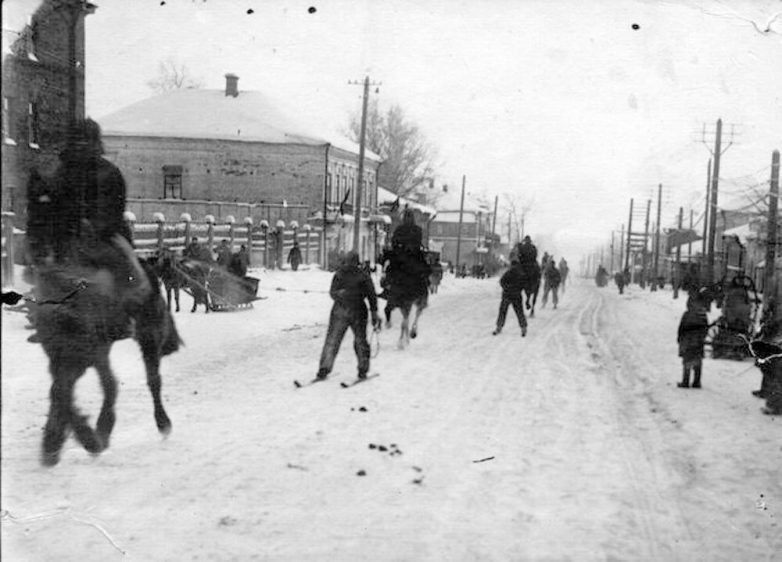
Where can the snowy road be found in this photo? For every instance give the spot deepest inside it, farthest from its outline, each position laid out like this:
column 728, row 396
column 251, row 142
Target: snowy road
column 570, row 444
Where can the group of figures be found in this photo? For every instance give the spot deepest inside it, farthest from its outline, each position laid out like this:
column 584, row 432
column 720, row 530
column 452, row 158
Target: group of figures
column 523, row 278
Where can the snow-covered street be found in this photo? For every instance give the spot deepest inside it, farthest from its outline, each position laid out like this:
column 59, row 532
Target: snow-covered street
column 573, row 443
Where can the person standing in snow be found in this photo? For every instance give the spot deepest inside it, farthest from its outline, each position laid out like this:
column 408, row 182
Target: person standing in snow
column 551, row 279
column 693, row 328
column 511, row 282
column 350, row 288
column 294, row 256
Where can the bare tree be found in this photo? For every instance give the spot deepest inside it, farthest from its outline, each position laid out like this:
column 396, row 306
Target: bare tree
column 519, row 208
column 408, row 159
column 173, row 75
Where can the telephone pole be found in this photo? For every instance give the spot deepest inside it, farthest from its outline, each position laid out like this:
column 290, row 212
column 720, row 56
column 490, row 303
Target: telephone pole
column 629, row 234
column 678, row 275
column 657, row 235
column 612, row 252
column 715, row 178
column 706, row 215
column 360, row 180
column 646, row 244
column 461, row 214
column 769, row 287
column 621, row 247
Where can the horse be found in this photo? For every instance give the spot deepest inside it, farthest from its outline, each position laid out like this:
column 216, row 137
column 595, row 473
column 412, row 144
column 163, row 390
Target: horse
column 191, row 276
column 531, row 285
column 435, row 277
column 78, row 316
column 407, row 286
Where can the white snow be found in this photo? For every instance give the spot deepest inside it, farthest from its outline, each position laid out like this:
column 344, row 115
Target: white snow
column 571, row 444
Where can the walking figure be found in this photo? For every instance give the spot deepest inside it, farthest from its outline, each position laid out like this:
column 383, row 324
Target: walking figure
column 551, row 279
column 512, row 281
column 294, row 256
column 350, row 287
column 693, row 328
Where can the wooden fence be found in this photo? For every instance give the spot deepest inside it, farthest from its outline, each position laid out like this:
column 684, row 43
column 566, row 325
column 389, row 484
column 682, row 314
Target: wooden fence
column 269, row 245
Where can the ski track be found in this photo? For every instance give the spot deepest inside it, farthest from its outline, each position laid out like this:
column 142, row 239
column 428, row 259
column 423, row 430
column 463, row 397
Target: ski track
column 579, row 457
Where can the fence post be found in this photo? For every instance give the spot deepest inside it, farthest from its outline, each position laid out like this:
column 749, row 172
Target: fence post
column 307, row 229
column 8, row 249
column 160, row 219
column 279, row 248
column 187, row 219
column 210, row 232
column 248, row 221
column 264, row 224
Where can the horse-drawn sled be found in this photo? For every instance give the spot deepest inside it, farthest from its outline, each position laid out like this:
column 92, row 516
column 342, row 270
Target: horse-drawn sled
column 738, row 300
column 228, row 291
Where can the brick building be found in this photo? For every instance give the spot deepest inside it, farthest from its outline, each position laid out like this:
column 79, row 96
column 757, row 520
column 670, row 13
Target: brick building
column 238, row 146
column 42, row 90
column 475, row 232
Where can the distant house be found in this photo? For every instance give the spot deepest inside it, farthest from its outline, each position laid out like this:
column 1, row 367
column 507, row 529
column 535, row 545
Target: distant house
column 475, row 239
column 196, row 145
column 42, row 90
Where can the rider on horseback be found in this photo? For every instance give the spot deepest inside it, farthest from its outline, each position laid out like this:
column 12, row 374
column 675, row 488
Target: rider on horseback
column 84, row 227
column 407, row 254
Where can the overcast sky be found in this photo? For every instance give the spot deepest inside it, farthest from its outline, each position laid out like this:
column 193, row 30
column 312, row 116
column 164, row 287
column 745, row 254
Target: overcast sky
column 563, row 103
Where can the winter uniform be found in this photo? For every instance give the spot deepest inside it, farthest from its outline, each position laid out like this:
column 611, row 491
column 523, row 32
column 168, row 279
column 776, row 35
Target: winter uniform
column 511, row 282
column 693, row 328
column 551, row 279
column 350, row 287
column 294, row 256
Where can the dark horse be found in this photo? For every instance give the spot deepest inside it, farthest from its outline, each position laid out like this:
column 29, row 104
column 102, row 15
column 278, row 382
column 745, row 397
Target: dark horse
column 188, row 275
column 78, row 316
column 407, row 286
column 531, row 284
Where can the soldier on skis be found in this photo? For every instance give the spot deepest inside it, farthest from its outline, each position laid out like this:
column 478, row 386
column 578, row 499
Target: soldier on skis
column 512, row 281
column 351, row 286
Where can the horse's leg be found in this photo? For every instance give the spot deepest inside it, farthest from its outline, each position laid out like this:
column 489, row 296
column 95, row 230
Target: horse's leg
column 175, row 289
column 150, row 339
column 387, row 310
column 107, row 418
column 414, row 329
column 404, row 334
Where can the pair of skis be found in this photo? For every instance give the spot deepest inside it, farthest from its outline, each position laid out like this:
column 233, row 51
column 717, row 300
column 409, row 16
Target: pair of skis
column 298, row 384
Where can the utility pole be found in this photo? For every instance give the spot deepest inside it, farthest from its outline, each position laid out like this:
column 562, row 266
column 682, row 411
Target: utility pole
column 621, row 247
column 494, row 216
column 612, row 252
column 706, row 215
column 657, row 236
column 769, row 287
column 629, row 233
column 461, row 213
column 678, row 275
column 646, row 244
column 510, row 233
column 689, row 245
column 360, row 180
column 715, row 178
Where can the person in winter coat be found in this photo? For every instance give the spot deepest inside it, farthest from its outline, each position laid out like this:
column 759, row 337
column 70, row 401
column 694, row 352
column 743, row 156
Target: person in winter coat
column 196, row 252
column 294, row 256
column 224, row 254
column 693, row 328
column 526, row 251
column 551, row 279
column 350, row 288
column 408, row 236
column 563, row 271
column 511, row 282
column 619, row 279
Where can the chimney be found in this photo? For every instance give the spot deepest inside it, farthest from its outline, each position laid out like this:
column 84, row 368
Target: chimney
column 231, row 85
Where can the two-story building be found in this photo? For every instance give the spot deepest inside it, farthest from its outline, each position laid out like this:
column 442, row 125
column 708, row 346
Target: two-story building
column 238, row 146
column 474, row 239
column 42, row 90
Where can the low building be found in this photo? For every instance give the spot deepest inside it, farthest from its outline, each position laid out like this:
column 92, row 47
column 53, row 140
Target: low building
column 229, row 145
column 472, row 243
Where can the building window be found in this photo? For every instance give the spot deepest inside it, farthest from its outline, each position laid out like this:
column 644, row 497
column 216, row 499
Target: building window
column 8, row 122
column 33, row 124
column 172, row 182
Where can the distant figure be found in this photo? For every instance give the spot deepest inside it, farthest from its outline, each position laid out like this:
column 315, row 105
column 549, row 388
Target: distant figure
column 512, row 281
column 563, row 271
column 619, row 279
column 196, row 252
column 240, row 261
column 693, row 328
column 294, row 256
column 551, row 280
column 224, row 254
column 526, row 251
column 350, row 288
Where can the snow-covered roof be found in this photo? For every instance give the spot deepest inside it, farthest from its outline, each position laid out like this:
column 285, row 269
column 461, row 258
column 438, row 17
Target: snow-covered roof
column 744, row 232
column 451, row 200
column 386, row 196
column 210, row 114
